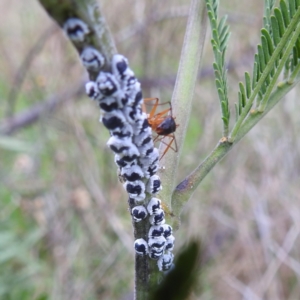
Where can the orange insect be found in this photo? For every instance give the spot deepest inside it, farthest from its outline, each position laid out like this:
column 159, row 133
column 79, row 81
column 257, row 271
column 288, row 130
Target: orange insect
column 163, row 124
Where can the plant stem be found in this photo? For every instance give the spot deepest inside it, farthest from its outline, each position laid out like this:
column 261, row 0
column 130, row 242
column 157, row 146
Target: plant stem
column 184, row 91
column 89, row 12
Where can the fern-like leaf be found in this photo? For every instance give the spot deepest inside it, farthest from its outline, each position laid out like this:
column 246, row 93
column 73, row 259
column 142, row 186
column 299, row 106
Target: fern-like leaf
column 278, row 51
column 220, row 35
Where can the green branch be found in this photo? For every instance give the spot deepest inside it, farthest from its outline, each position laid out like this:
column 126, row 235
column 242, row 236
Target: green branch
column 89, row 12
column 184, row 91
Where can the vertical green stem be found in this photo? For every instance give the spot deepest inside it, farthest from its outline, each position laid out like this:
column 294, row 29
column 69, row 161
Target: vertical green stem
column 184, row 91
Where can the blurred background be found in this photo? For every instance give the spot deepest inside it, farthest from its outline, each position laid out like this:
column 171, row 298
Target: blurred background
column 65, row 231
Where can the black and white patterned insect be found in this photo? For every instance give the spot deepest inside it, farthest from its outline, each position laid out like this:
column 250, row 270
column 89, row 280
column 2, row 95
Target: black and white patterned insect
column 132, row 173
column 109, row 104
column 151, row 159
column 113, row 120
column 131, row 87
column 167, row 230
column 154, row 185
column 92, row 59
column 158, row 218
column 138, row 99
column 120, row 67
column 123, row 132
column 141, row 247
column 141, row 125
column 165, row 262
column 150, row 170
column 157, row 243
column 139, row 213
column 125, row 161
column 170, row 243
column 143, row 139
column 155, row 254
column 92, row 91
column 132, row 113
column 154, row 205
column 156, row 231
column 108, row 85
column 122, row 147
column 135, row 190
column 76, row 29
column 146, row 149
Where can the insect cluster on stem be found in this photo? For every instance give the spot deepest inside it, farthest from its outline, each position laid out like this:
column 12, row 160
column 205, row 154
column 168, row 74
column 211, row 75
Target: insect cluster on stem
column 119, row 96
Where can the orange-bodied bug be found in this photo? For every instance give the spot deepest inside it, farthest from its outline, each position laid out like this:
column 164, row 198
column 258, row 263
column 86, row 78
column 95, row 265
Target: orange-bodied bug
column 163, row 124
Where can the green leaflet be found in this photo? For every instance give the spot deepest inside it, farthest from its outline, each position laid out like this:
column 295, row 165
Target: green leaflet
column 220, row 35
column 292, row 7
column 275, row 54
column 285, row 13
column 275, row 30
column 248, row 84
column 243, row 93
column 280, row 21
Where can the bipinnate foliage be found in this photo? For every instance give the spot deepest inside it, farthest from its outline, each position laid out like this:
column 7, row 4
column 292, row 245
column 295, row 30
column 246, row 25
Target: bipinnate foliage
column 277, row 54
column 220, row 35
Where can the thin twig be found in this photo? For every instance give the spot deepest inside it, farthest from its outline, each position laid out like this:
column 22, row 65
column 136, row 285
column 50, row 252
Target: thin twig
column 34, row 113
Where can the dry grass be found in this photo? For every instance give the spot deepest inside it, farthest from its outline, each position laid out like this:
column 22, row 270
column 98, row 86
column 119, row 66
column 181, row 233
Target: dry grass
column 66, row 191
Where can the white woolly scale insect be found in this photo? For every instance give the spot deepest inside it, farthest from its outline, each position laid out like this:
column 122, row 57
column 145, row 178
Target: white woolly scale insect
column 135, row 190
column 151, row 169
column 122, row 147
column 170, row 243
column 141, row 247
column 157, row 244
column 132, row 113
column 156, row 231
column 76, row 29
column 153, row 206
column 155, row 254
column 139, row 213
column 153, row 185
column 134, row 95
column 138, row 96
column 141, row 125
column 123, row 132
column 92, row 59
column 92, row 91
column 143, row 139
column 165, row 262
column 125, row 161
column 146, row 149
column 167, row 230
column 151, row 159
column 132, row 173
column 109, row 104
column 158, row 218
column 113, row 120
column 108, row 85
column 131, row 86
column 120, row 67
